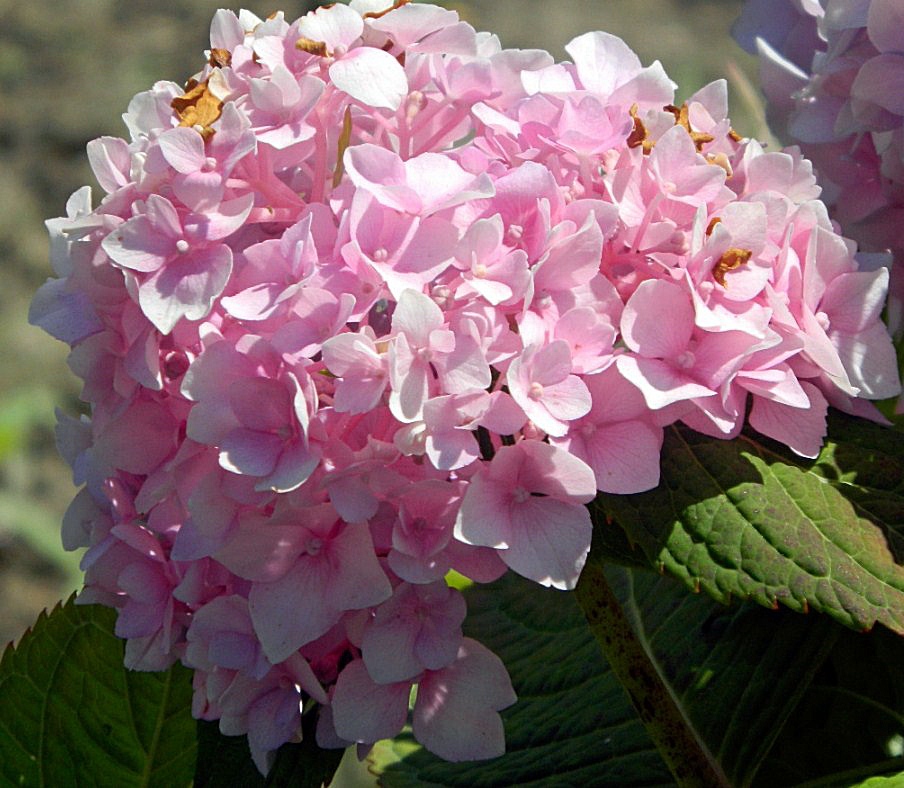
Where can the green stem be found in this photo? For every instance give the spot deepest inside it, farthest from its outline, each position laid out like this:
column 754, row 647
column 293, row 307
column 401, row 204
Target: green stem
column 683, row 751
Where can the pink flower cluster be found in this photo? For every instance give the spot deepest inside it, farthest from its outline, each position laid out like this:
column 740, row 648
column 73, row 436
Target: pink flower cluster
column 833, row 74
column 373, row 299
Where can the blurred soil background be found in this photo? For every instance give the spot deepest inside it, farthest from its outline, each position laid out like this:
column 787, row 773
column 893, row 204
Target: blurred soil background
column 67, row 71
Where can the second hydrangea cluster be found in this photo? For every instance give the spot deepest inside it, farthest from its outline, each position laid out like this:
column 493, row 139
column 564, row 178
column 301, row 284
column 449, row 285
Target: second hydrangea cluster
column 372, row 299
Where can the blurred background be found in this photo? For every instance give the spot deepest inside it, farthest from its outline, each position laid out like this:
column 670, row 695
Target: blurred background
column 67, row 71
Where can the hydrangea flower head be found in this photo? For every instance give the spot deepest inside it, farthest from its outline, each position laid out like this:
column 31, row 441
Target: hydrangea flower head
column 371, row 299
column 833, row 75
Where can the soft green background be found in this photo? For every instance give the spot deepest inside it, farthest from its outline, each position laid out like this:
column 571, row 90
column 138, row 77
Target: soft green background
column 67, row 71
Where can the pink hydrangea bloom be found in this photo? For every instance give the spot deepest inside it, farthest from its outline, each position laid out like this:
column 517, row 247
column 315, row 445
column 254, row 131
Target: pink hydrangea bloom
column 833, row 75
column 373, row 299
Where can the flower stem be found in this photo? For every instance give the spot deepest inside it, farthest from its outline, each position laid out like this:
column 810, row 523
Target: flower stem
column 685, row 754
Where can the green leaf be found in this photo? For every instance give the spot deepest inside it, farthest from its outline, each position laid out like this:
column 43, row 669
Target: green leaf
column 738, row 674
column 744, row 519
column 226, row 760
column 71, row 714
column 849, row 723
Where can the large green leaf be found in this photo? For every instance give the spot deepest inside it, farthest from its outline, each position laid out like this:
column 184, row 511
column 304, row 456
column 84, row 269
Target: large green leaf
column 849, row 723
column 744, row 519
column 226, row 761
column 71, row 714
column 738, row 674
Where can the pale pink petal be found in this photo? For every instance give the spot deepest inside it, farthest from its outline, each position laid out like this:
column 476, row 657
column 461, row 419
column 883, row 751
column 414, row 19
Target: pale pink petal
column 250, row 452
column 855, row 300
column 183, row 149
column 550, row 541
column 110, row 161
column 381, row 173
column 624, row 456
column 226, row 30
column 138, row 439
column 261, row 404
column 658, row 319
column 456, row 712
column 442, row 183
column 187, row 289
column 356, row 578
column 567, row 400
column 885, row 24
column 371, row 76
column 800, row 429
column 870, row 361
column 336, row 26
column 603, row 61
column 135, row 244
column 660, row 383
column 261, row 551
column 294, row 467
column 216, row 225
column 365, row 711
column 294, row 610
column 484, row 517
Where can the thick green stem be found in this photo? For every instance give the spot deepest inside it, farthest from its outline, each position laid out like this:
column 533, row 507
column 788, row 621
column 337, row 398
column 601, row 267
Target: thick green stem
column 683, row 751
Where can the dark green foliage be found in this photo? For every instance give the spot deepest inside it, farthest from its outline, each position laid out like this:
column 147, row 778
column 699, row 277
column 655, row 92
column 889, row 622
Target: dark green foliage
column 743, row 519
column 71, row 714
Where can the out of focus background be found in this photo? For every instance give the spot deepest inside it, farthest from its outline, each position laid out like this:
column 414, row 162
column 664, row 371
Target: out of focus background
column 67, row 71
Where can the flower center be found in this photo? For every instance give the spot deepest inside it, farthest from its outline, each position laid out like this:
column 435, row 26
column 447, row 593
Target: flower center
column 520, row 495
column 535, row 391
column 182, row 246
column 686, row 359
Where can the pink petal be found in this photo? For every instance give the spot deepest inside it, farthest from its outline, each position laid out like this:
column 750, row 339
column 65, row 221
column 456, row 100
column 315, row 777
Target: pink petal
column 658, row 319
column 603, row 61
column 870, row 361
column 250, row 452
column 136, row 245
column 138, row 440
column 456, row 712
column 624, row 456
column 261, row 551
column 261, row 404
column 886, row 25
column 187, row 289
column 364, row 711
column 294, row 467
column 356, row 578
column 855, row 300
column 800, row 429
column 294, row 610
column 442, row 183
column 381, row 172
column 484, row 517
column 549, row 541
column 336, row 26
column 660, row 383
column 110, row 161
column 371, row 76
column 183, row 149
column 567, row 400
